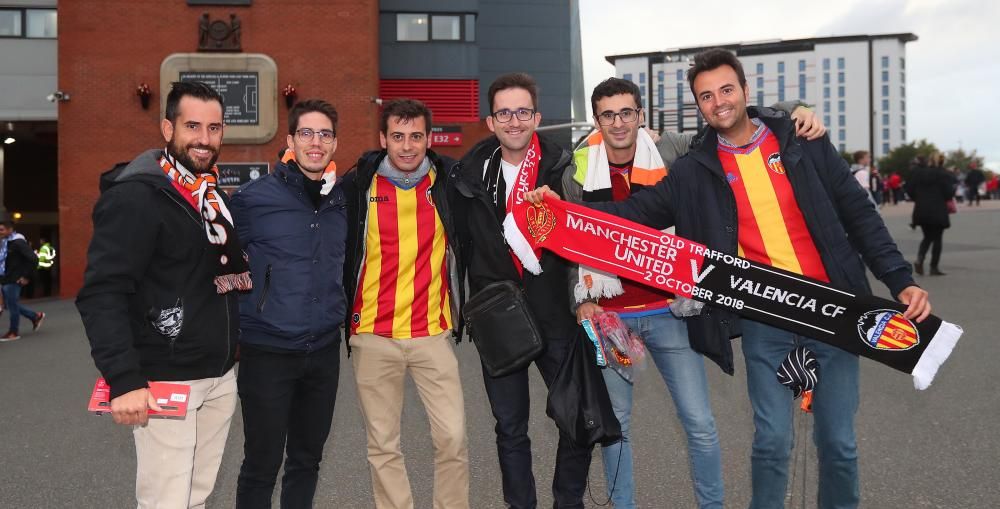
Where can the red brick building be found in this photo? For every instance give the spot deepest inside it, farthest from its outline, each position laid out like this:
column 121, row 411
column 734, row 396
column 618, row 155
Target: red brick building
column 106, row 50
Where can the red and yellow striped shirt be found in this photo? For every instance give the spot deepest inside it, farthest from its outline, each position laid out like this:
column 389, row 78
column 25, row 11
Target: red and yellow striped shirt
column 403, row 287
column 772, row 229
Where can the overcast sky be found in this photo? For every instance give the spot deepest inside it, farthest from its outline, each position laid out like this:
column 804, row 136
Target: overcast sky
column 952, row 71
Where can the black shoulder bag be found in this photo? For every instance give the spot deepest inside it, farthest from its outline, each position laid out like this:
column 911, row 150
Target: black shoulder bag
column 502, row 328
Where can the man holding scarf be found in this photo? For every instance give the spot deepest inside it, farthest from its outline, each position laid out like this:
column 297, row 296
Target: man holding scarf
column 752, row 188
column 618, row 161
column 290, row 322
column 159, row 299
column 495, row 172
column 404, row 279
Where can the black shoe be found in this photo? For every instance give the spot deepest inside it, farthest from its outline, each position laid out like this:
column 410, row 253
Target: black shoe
column 918, row 267
column 936, row 272
column 37, row 322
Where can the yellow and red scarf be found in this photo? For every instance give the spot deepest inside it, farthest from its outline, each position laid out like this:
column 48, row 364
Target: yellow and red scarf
column 232, row 272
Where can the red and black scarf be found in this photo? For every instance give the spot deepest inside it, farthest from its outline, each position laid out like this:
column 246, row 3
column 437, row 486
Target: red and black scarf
column 232, row 272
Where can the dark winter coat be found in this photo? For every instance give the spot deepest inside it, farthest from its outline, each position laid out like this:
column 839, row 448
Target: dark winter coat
column 930, row 188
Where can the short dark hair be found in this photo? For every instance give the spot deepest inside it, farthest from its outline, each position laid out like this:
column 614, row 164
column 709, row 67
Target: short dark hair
column 405, row 109
column 612, row 87
column 515, row 80
column 859, row 155
column 196, row 89
column 311, row 106
column 712, row 59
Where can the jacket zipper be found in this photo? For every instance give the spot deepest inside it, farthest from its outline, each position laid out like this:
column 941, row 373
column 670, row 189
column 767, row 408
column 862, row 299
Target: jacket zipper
column 263, row 293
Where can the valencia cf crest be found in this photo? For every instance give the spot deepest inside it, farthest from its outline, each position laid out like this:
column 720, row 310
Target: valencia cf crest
column 541, row 221
column 356, row 318
column 774, row 163
column 886, row 329
column 430, row 199
column 731, row 177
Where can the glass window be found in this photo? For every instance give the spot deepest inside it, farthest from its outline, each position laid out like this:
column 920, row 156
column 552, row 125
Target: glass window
column 902, row 63
column 842, row 134
column 781, row 67
column 760, row 82
column 840, row 63
column 885, row 75
column 802, row 90
column 642, row 91
column 446, row 28
column 802, row 66
column 470, row 27
column 885, row 119
column 642, row 77
column 885, row 90
column 885, row 134
column 841, row 106
column 885, row 148
column 843, row 147
column 902, row 120
column 826, row 120
column 680, row 94
column 627, row 76
column 840, row 77
column 41, row 23
column 885, row 62
column 842, row 119
column 885, row 105
column 760, row 98
column 680, row 74
column 411, row 27
column 840, row 91
column 826, row 108
column 760, row 68
column 659, row 94
column 826, row 78
column 902, row 134
column 826, row 64
column 826, row 92
column 659, row 75
column 781, row 88
column 10, row 23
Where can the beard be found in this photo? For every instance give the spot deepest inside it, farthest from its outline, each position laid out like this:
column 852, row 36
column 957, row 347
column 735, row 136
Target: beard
column 181, row 155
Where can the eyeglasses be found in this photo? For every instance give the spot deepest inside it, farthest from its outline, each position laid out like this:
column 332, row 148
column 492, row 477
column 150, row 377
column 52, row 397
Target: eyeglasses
column 523, row 114
column 627, row 115
column 306, row 135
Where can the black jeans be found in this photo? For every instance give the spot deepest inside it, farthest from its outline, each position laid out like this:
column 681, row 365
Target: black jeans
column 932, row 239
column 510, row 402
column 289, row 394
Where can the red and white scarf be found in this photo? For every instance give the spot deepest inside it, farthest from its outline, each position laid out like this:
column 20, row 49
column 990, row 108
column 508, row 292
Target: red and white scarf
column 232, row 272
column 515, row 224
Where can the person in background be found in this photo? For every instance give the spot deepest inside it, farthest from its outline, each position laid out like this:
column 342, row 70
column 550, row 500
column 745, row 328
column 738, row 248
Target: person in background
column 930, row 187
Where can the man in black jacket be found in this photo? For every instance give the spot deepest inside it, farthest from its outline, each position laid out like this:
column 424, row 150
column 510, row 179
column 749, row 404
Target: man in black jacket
column 159, row 303
column 17, row 266
column 404, row 279
column 292, row 224
column 491, row 172
column 725, row 194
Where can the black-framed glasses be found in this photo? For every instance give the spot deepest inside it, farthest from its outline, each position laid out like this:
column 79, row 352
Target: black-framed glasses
column 628, row 115
column 523, row 114
column 305, row 135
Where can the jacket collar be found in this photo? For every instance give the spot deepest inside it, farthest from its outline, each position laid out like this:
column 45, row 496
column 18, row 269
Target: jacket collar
column 706, row 153
column 487, row 152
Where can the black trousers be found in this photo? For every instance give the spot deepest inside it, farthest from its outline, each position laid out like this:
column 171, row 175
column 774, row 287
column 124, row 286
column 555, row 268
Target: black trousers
column 510, row 402
column 932, row 239
column 287, row 401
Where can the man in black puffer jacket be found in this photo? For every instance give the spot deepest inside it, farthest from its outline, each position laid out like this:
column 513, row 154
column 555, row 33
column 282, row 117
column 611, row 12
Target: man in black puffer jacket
column 159, row 299
column 293, row 226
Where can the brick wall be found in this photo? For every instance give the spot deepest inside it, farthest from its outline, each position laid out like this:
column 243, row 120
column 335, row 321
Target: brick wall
column 325, row 49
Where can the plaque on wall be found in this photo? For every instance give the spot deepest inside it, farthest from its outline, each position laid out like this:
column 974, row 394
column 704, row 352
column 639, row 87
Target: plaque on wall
column 239, row 93
column 446, row 136
column 237, row 174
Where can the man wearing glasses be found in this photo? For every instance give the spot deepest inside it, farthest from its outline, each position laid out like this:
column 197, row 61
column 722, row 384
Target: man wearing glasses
column 517, row 159
column 292, row 225
column 621, row 160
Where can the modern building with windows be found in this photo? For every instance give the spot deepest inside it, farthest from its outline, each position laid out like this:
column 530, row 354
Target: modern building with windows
column 857, row 83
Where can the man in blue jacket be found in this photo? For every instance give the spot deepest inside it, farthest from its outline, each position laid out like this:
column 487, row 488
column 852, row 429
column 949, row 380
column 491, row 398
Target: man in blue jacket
column 292, row 224
column 752, row 187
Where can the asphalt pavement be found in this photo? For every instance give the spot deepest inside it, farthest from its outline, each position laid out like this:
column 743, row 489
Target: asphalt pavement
column 918, row 449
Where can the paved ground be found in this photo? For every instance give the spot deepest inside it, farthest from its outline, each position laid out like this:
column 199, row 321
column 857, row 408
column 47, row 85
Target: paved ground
column 931, row 449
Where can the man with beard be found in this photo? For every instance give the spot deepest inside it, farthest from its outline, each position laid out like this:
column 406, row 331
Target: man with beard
column 159, row 299
column 519, row 158
column 405, row 282
column 753, row 188
column 290, row 322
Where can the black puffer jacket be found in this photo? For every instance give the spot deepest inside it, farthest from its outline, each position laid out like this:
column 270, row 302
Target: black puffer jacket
column 487, row 255
column 150, row 270
column 930, row 188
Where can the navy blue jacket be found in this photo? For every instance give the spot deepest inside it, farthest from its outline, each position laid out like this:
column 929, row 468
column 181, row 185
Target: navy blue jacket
column 296, row 258
column 696, row 198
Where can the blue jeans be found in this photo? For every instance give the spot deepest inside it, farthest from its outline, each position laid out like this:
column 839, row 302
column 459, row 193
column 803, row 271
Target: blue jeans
column 683, row 370
column 11, row 298
column 835, row 401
